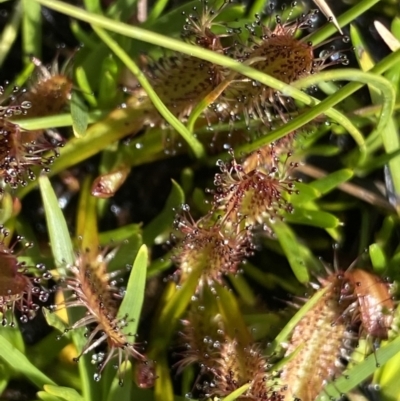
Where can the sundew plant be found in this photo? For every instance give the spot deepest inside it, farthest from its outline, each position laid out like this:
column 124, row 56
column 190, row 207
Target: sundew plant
column 199, row 200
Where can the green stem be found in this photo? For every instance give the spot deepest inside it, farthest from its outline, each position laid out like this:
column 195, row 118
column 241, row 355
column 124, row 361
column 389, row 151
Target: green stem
column 195, row 145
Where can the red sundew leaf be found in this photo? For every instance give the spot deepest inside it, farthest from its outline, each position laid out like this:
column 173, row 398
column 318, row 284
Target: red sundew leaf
column 10, row 280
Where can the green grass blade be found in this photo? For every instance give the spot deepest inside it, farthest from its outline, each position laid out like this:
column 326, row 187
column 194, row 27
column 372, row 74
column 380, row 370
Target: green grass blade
column 31, row 29
column 237, row 393
column 60, row 239
column 10, row 32
column 360, row 372
column 286, row 331
column 18, row 361
column 316, row 218
column 79, row 115
column 132, row 302
column 291, row 247
column 117, row 392
column 331, row 181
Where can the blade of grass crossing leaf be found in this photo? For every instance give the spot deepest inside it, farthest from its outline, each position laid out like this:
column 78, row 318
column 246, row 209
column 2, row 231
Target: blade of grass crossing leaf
column 194, row 144
column 387, row 378
column 132, row 302
column 18, row 361
column 10, row 32
column 31, row 29
column 360, row 372
column 60, row 239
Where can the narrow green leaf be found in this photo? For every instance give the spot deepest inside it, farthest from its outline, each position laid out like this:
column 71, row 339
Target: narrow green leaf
column 291, row 247
column 79, row 114
column 316, row 218
column 378, row 258
column 131, row 305
column 10, row 32
column 286, row 331
column 306, row 194
column 18, row 361
column 360, row 372
column 237, row 393
column 229, row 309
column 332, row 181
column 122, row 9
column 119, row 234
column 396, row 27
column 127, row 249
column 163, row 390
column 164, row 220
column 174, row 307
column 108, row 89
column 86, row 219
column 63, row 253
column 117, row 392
column 84, row 85
column 65, row 393
column 54, row 320
column 159, row 265
column 60, row 239
column 43, row 395
column 93, row 6
column 31, row 29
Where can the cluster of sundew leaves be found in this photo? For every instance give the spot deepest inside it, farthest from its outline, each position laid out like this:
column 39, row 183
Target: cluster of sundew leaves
column 233, row 175
column 22, row 150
